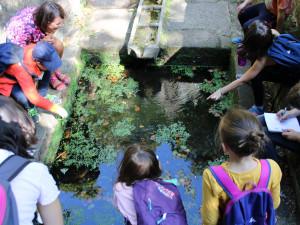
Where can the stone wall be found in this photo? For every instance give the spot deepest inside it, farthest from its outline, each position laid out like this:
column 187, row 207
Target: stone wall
column 297, row 12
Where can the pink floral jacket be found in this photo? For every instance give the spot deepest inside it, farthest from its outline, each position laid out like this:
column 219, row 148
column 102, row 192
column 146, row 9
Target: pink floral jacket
column 21, row 28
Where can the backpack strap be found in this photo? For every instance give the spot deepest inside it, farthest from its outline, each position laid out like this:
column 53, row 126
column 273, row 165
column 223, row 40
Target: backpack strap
column 225, row 181
column 264, row 173
column 12, row 166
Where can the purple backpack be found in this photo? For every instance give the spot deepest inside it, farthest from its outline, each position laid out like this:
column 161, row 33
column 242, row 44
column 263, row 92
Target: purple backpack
column 158, row 202
column 251, row 207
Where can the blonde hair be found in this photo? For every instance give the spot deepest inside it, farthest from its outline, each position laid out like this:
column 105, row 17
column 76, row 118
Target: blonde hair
column 242, row 132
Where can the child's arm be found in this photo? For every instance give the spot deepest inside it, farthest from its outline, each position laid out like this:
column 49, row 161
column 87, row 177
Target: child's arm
column 51, row 213
column 243, row 5
column 210, row 204
column 123, row 201
column 275, row 179
column 291, row 135
column 280, row 19
column 251, row 73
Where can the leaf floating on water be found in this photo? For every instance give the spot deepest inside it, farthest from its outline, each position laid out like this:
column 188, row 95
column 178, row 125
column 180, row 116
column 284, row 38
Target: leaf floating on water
column 62, row 155
column 64, row 170
column 105, row 123
column 137, row 108
column 152, row 137
column 67, row 134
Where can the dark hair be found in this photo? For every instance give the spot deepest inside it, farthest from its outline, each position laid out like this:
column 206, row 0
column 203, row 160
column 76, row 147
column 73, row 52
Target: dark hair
column 293, row 97
column 241, row 132
column 12, row 113
column 46, row 13
column 12, row 138
column 138, row 163
column 258, row 38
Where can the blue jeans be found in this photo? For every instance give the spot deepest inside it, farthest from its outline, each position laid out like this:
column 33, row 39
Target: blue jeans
column 277, row 139
column 256, row 12
column 42, row 88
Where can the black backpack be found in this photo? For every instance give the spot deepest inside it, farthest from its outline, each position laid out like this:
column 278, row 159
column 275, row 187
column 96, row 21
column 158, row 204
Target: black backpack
column 9, row 169
column 285, row 50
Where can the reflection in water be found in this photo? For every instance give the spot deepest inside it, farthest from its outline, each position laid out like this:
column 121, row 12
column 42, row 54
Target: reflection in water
column 161, row 100
column 100, row 211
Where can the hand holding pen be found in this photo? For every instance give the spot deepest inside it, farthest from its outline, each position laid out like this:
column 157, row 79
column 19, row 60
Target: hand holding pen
column 283, row 114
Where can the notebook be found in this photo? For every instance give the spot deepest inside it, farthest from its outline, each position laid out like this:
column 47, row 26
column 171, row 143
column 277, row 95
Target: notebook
column 275, row 125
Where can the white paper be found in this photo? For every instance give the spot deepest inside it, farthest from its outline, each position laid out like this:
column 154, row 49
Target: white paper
column 275, row 125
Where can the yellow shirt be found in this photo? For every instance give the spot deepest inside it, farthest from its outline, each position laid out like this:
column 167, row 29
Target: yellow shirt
column 215, row 199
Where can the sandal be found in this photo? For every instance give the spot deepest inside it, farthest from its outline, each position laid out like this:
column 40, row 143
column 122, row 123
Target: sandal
column 57, row 84
column 237, row 40
column 63, row 77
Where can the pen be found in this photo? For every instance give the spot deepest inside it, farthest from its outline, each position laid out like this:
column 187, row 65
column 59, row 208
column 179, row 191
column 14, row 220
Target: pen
column 284, row 111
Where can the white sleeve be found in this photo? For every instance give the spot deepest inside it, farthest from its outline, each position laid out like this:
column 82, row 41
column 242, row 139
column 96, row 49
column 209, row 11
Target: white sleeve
column 48, row 189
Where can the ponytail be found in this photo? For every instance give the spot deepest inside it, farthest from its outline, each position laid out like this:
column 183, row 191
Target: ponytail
column 242, row 132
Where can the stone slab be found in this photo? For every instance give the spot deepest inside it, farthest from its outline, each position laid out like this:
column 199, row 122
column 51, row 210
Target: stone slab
column 201, row 24
column 110, row 30
column 206, row 15
column 195, row 38
column 112, row 4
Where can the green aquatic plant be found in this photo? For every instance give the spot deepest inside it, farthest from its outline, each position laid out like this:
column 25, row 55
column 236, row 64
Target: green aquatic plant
column 86, row 190
column 217, row 161
column 218, row 80
column 175, row 134
column 123, row 128
column 100, row 113
column 182, row 70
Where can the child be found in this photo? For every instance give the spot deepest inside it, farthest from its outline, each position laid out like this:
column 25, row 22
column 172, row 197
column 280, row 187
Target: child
column 33, row 187
column 257, row 41
column 289, row 139
column 141, row 168
column 274, row 12
column 32, row 24
column 241, row 137
column 28, row 83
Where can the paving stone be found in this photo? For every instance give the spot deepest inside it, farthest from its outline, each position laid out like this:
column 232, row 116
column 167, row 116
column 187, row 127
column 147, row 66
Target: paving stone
column 112, row 3
column 110, row 31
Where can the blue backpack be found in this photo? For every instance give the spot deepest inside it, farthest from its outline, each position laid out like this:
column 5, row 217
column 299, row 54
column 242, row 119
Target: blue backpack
column 158, row 202
column 251, row 207
column 285, row 50
column 10, row 54
column 9, row 169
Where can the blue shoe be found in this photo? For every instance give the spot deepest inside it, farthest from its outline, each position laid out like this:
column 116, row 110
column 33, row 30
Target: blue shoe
column 256, row 110
column 237, row 40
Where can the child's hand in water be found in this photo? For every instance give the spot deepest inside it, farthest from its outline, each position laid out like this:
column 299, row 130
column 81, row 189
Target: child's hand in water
column 216, row 95
column 291, row 134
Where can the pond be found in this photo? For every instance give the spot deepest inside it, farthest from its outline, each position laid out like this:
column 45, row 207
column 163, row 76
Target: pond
column 99, row 210
column 166, row 108
column 158, row 107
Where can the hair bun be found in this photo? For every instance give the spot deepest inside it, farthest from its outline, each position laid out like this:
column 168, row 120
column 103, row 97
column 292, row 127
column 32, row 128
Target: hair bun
column 256, row 139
